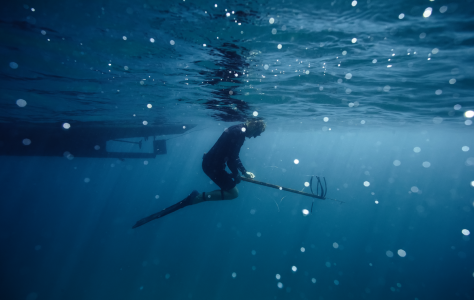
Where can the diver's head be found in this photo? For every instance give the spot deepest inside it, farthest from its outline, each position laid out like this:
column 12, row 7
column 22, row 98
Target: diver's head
column 254, row 128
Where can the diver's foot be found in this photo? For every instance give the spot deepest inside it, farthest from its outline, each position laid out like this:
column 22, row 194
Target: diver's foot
column 189, row 200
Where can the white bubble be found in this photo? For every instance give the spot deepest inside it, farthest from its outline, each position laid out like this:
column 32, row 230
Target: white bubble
column 266, row 67
column 157, row 197
column 184, row 127
column 328, row 264
column 414, row 189
column 427, row 12
column 366, row 183
column 296, row 161
column 443, row 9
column 97, row 147
column 465, row 148
column 401, row 16
column 396, row 163
column 254, row 252
column 426, row 164
column 435, row 51
column 344, row 52
column 452, row 81
column 26, row 142
column 325, row 119
column 402, row 253
column 417, row 149
column 348, row 76
column 271, row 20
column 13, row 65
column 348, row 91
column 86, row 180
column 469, row 114
column 277, row 276
column 244, row 129
column 303, row 249
column 145, row 162
column 172, row 42
column 152, row 40
column 465, row 232
column 389, row 66
column 259, row 234
column 294, row 268
column 66, row 125
column 374, row 60
column 145, row 123
column 422, row 35
column 335, row 245
column 389, row 253
column 274, row 31
column 386, row 88
column 362, row 122
column 313, row 280
column 472, row 184
column 468, row 122
column 376, row 202
column 124, row 38
column 21, row 103
column 336, row 282
column 354, row 3
column 231, row 92
column 234, row 275
column 279, row 46
column 457, row 107
column 438, row 92
column 126, row 68
column 307, row 72
column 437, row 120
column 280, row 285
column 306, row 184
column 149, row 105
column 305, row 212
column 354, row 40
column 204, row 45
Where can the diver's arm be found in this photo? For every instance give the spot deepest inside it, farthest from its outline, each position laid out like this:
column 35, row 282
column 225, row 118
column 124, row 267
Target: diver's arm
column 235, row 165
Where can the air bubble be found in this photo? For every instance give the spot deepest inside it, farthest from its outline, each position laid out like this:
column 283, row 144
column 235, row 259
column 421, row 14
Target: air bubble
column 402, row 253
column 21, row 103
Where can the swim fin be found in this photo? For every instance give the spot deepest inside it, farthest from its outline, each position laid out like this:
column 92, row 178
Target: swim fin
column 183, row 203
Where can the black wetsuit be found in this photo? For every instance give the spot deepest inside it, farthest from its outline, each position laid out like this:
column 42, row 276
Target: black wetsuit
column 225, row 151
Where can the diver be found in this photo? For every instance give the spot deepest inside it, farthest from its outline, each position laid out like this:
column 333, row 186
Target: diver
column 224, row 152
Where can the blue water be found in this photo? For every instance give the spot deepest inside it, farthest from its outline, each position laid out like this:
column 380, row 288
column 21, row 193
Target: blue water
column 371, row 95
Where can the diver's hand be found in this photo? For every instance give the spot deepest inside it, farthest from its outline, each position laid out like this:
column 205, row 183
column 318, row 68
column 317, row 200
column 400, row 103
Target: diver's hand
column 249, row 175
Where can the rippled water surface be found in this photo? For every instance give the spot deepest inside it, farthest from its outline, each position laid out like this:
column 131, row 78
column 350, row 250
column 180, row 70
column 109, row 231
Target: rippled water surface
column 383, row 63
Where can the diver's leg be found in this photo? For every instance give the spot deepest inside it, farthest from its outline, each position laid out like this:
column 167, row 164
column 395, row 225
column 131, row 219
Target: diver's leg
column 217, row 195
